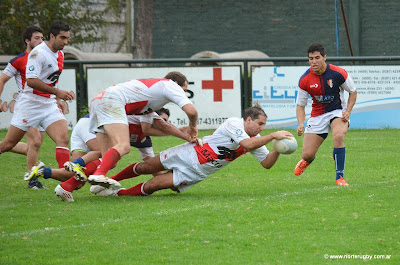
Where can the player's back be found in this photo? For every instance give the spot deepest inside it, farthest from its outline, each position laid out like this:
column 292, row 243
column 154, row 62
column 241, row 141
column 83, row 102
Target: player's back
column 148, row 95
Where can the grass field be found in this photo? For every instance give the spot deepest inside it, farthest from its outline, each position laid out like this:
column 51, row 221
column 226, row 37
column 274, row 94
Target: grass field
column 243, row 214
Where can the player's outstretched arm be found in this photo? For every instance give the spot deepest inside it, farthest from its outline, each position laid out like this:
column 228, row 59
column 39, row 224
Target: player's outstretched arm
column 163, row 128
column 193, row 116
column 257, row 142
column 270, row 160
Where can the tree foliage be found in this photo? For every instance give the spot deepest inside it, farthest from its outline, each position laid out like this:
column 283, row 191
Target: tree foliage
column 85, row 17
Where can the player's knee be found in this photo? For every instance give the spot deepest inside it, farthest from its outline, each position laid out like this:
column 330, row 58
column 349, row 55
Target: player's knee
column 338, row 138
column 6, row 146
column 62, row 140
column 34, row 144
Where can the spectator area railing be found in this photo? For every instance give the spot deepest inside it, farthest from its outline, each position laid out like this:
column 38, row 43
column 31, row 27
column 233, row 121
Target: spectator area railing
column 245, row 63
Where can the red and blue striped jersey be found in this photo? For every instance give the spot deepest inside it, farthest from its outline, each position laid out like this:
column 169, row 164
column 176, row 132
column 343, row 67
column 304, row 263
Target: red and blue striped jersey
column 326, row 90
column 17, row 67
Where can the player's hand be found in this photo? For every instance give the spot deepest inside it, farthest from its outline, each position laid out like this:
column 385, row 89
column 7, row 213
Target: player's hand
column 282, row 135
column 346, row 116
column 193, row 131
column 65, row 95
column 3, row 108
column 63, row 106
column 300, row 129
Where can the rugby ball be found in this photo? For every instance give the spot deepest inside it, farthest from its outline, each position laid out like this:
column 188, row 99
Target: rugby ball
column 285, row 146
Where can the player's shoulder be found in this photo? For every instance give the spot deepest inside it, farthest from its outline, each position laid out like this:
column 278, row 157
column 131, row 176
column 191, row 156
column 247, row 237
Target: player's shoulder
column 20, row 57
column 305, row 78
column 37, row 51
column 306, row 74
column 234, row 122
column 338, row 70
column 150, row 82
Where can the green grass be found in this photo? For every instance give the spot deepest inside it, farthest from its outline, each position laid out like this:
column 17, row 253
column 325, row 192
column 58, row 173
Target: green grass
column 243, row 214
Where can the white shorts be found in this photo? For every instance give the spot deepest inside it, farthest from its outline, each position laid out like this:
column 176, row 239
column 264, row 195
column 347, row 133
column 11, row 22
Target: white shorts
column 80, row 136
column 322, row 123
column 106, row 110
column 35, row 112
column 146, row 152
column 183, row 162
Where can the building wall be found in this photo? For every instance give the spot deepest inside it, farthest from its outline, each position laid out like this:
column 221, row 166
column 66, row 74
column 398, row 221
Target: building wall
column 275, row 27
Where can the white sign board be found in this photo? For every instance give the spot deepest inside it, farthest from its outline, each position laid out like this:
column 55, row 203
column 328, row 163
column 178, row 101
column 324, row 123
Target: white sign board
column 378, row 95
column 10, row 92
column 215, row 91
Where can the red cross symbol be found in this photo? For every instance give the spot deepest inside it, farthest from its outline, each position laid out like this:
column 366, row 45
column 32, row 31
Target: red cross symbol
column 217, row 84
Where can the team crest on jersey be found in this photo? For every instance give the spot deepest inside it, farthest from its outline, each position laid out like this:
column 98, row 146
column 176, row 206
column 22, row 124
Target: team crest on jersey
column 31, row 68
column 239, row 132
column 330, row 83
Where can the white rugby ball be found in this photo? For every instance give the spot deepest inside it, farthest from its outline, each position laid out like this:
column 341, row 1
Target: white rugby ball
column 285, row 146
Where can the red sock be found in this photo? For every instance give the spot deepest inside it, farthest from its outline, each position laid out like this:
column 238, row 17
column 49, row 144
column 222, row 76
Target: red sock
column 62, row 155
column 110, row 159
column 134, row 191
column 91, row 167
column 71, row 184
column 126, row 173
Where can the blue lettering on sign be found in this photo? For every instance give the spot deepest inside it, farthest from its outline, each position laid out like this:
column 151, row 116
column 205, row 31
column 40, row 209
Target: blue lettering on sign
column 282, row 94
column 255, row 94
column 276, row 72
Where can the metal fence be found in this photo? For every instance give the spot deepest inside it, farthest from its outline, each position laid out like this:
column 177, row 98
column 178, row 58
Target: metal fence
column 245, row 63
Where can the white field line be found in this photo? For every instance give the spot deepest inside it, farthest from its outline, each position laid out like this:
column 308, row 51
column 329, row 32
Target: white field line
column 167, row 212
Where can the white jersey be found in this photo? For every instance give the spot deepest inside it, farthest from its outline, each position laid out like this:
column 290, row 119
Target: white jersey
column 145, row 96
column 191, row 164
column 222, row 147
column 45, row 65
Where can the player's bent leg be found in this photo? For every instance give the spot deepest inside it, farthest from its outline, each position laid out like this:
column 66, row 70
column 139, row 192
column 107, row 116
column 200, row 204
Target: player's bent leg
column 339, row 130
column 311, row 144
column 13, row 136
column 150, row 166
column 159, row 182
column 119, row 135
column 58, row 132
column 34, row 139
column 20, row 148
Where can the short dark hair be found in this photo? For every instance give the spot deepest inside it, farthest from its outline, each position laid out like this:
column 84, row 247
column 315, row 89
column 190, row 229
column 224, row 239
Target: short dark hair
column 316, row 47
column 163, row 110
column 58, row 26
column 29, row 32
column 178, row 77
column 254, row 112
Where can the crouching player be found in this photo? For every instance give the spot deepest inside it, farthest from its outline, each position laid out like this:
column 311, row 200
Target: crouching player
column 189, row 163
column 140, row 128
